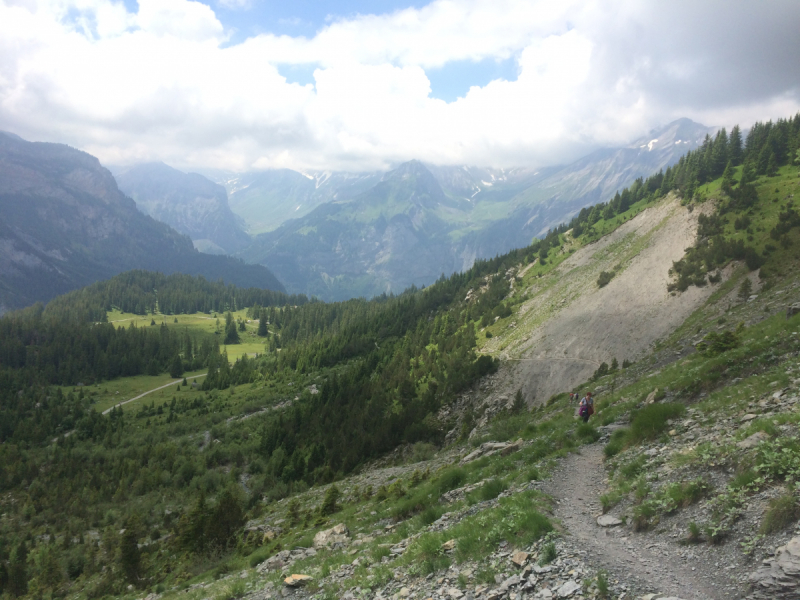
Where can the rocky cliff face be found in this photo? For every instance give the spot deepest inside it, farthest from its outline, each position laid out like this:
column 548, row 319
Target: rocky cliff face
column 64, row 224
column 192, row 204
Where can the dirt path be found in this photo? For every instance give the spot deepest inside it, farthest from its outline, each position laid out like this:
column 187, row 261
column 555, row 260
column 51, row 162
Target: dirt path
column 173, row 382
column 652, row 566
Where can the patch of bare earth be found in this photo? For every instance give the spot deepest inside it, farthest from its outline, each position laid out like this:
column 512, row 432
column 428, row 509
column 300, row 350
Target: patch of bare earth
column 570, row 325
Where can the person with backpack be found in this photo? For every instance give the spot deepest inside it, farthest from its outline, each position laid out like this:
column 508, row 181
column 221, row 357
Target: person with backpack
column 586, row 408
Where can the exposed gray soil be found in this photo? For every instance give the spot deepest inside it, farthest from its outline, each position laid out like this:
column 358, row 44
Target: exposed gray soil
column 583, row 325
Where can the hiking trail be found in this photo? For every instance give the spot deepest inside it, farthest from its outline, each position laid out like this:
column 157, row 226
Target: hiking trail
column 652, row 565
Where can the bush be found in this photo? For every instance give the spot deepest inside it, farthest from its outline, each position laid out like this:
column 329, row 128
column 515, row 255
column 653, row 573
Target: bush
column 782, row 512
column 451, row 479
column 605, row 278
column 617, row 443
column 602, row 584
column 548, row 554
column 587, row 432
column 651, row 421
column 492, row 489
column 329, row 506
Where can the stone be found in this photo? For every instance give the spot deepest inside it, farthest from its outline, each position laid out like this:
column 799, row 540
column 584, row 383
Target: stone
column 404, row 592
column 651, row 397
column 778, row 578
column 568, row 589
column 455, row 593
column 520, row 558
column 338, row 534
column 748, row 417
column 509, row 583
column 752, row 441
column 449, row 545
column 297, row 580
column 608, row 521
column 792, row 310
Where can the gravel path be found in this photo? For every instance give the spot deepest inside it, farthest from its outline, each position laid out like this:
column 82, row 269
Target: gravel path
column 651, row 566
column 166, row 385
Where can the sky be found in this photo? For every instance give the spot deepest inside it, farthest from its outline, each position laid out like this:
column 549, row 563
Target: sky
column 352, row 85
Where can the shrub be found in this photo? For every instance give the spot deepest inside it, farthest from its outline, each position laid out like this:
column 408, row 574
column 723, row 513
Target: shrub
column 602, row 584
column 257, row 557
column 617, row 443
column 743, row 479
column 492, row 489
column 695, row 533
column 685, row 494
column 782, row 512
column 587, row 432
column 717, row 343
column 605, row 278
column 643, row 516
column 548, row 554
column 329, row 506
column 651, row 421
column 451, row 479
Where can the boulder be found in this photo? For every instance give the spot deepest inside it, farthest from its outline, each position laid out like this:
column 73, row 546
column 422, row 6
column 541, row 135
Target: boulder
column 490, row 448
column 752, row 441
column 779, row 577
column 792, row 310
column 338, row 534
column 297, row 580
column 520, row 558
column 568, row 589
column 651, row 397
column 608, row 521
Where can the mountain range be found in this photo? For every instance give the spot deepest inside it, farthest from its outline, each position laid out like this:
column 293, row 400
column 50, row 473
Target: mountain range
column 419, row 221
column 64, row 223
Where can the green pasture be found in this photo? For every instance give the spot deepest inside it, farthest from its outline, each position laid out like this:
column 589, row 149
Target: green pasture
column 199, row 323
column 108, row 393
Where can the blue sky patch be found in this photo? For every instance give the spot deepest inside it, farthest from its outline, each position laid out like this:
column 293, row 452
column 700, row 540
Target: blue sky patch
column 453, row 80
column 302, row 74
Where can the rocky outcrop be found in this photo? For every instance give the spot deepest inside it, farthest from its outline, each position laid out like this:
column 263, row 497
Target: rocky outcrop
column 338, row 534
column 491, row 448
column 778, row 578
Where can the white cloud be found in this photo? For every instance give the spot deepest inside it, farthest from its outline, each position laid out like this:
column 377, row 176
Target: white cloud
column 162, row 84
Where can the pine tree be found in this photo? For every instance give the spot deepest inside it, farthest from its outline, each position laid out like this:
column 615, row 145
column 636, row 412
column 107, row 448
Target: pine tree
column 129, row 556
column 176, row 367
column 735, row 153
column 519, row 403
column 262, row 324
column 745, row 289
column 727, row 178
column 328, row 506
column 231, row 334
column 226, row 518
column 18, row 571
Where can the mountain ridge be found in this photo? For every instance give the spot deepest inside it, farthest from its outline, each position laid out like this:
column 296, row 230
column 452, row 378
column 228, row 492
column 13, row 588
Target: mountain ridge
column 191, row 203
column 65, row 224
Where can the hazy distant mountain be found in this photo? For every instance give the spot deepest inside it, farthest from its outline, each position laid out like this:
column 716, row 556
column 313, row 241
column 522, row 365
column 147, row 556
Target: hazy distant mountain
column 64, row 224
column 190, row 203
column 266, row 199
column 385, row 239
column 422, row 220
column 599, row 175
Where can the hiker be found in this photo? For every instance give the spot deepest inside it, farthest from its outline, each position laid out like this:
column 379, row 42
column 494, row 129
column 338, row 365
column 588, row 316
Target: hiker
column 586, row 409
